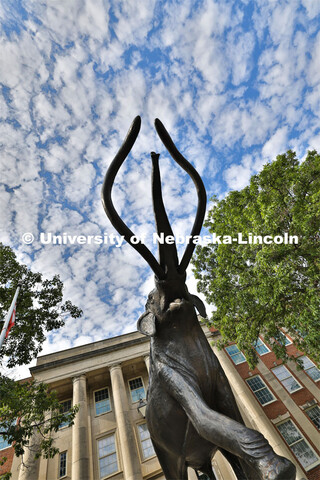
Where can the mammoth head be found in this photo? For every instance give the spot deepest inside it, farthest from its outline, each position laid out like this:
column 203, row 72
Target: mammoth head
column 161, row 311
column 170, row 297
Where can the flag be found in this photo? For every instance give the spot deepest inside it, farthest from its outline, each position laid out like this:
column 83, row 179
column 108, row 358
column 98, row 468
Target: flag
column 11, row 322
column 10, row 317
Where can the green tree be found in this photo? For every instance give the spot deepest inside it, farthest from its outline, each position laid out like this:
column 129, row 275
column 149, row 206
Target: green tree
column 261, row 288
column 29, row 407
column 39, row 308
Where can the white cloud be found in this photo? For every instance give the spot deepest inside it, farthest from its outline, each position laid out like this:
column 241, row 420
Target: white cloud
column 241, row 56
column 314, row 142
column 111, row 56
column 59, row 219
column 282, row 20
column 238, row 176
column 6, row 216
column 93, row 19
column 313, row 8
column 313, row 70
column 79, row 182
column 10, row 57
column 47, row 259
column 232, row 90
column 133, row 23
column 276, row 145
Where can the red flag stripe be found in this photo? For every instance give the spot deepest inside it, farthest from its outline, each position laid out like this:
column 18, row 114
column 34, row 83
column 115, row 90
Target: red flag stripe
column 11, row 322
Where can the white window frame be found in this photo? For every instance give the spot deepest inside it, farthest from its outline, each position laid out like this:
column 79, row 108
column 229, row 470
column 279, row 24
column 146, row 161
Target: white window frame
column 65, row 425
column 144, row 458
column 261, row 344
column 130, row 390
column 234, row 354
column 287, row 338
column 102, row 437
column 59, row 464
column 289, row 375
column 309, row 368
column 310, row 467
column 308, row 410
column 265, row 386
column 95, row 403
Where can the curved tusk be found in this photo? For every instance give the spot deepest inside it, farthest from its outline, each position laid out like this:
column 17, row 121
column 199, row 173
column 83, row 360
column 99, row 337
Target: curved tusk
column 108, row 206
column 202, row 196
column 168, row 255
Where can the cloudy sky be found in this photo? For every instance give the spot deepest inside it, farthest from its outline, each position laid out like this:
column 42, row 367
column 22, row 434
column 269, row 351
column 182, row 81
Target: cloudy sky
column 234, row 82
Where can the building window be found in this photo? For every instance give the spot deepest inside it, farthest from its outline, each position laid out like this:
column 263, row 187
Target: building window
column 146, row 444
column 260, row 390
column 297, row 443
column 286, row 378
column 65, row 408
column 137, row 389
column 235, row 354
column 108, row 462
column 284, row 340
column 314, row 415
column 4, row 443
column 62, row 464
column 102, row 401
column 261, row 348
column 310, row 368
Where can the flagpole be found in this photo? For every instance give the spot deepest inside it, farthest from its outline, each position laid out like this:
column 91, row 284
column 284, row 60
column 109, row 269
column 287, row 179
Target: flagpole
column 7, row 320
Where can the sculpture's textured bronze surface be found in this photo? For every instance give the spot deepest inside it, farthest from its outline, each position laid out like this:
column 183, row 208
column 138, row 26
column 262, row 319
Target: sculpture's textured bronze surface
column 191, row 411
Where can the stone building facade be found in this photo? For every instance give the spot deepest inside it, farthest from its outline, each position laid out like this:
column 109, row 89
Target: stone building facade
column 110, row 439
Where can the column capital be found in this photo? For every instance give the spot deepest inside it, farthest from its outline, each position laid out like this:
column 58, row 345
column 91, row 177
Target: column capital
column 113, row 366
column 78, row 377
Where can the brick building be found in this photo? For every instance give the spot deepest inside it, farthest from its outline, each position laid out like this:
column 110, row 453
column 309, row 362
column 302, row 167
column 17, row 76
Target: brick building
column 281, row 399
column 110, row 440
column 5, row 451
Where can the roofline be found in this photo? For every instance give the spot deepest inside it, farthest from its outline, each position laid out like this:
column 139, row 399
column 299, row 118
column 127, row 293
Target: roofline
column 89, row 354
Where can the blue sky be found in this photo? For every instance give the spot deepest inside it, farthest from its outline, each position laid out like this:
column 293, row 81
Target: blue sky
column 234, row 82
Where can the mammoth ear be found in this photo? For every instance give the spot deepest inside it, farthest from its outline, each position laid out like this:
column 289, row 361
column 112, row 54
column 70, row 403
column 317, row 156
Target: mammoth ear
column 147, row 324
column 199, row 305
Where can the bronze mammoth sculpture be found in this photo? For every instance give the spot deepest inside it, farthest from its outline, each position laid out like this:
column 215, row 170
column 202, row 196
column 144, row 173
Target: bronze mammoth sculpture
column 191, row 411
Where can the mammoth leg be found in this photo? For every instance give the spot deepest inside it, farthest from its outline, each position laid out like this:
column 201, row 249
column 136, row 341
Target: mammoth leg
column 226, row 433
column 227, row 405
column 173, row 466
column 238, row 469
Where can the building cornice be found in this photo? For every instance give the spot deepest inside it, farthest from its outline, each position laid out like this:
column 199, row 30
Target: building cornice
column 88, row 354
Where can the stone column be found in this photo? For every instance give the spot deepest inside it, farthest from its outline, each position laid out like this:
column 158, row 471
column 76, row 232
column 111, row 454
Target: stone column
column 147, row 361
column 258, row 419
column 130, row 457
column 29, row 469
column 80, row 442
